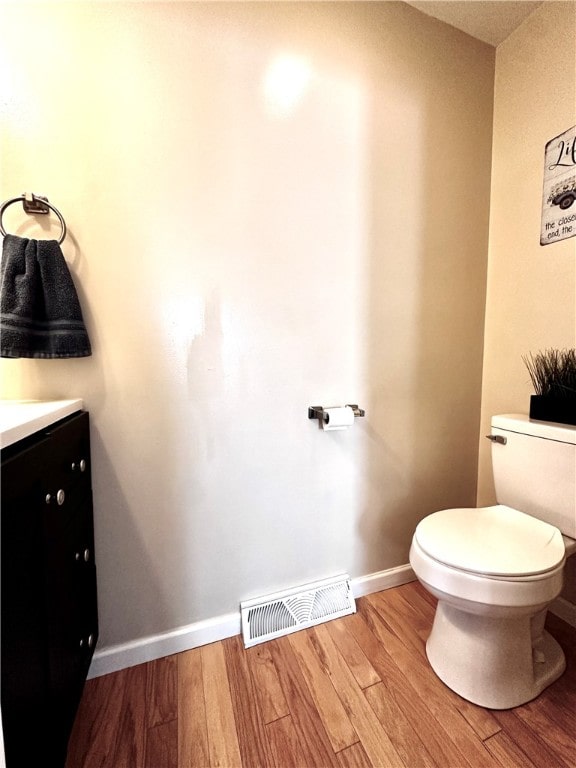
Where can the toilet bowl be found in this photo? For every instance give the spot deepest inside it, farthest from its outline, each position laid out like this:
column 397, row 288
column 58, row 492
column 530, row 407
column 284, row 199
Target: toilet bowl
column 495, row 570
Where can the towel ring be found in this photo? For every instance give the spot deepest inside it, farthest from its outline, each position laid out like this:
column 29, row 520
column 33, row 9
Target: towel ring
column 38, row 205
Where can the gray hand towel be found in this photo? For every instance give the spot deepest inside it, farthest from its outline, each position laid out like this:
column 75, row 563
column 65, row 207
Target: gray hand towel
column 40, row 315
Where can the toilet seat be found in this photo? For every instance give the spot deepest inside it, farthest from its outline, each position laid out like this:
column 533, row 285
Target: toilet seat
column 495, row 556
column 492, row 542
column 486, row 592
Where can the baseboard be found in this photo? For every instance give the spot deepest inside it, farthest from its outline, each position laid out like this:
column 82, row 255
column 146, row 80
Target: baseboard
column 565, row 610
column 116, row 657
column 376, row 582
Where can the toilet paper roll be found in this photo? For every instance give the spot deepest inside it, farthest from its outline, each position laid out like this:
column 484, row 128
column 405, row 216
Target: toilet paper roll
column 338, row 418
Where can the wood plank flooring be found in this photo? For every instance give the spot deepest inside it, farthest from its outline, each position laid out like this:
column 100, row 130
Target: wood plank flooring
column 356, row 692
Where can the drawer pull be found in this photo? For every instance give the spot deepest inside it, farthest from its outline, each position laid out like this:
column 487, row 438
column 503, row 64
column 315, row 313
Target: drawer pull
column 89, row 641
column 86, row 555
column 81, row 465
column 60, row 497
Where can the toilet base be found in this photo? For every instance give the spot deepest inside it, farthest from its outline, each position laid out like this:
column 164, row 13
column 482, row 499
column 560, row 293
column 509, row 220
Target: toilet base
column 496, row 662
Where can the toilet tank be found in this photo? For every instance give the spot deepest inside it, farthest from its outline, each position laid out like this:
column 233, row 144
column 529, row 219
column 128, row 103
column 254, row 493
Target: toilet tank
column 534, row 466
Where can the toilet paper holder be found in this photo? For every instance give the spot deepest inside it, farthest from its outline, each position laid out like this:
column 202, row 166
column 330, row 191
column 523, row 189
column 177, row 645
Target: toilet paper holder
column 317, row 411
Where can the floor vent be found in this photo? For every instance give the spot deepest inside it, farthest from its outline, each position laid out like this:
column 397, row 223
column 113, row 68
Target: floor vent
column 265, row 618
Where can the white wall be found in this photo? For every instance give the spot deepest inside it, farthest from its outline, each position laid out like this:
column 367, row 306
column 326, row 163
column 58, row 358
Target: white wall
column 531, row 289
column 270, row 206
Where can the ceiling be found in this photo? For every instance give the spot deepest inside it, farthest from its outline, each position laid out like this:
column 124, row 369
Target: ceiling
column 488, row 20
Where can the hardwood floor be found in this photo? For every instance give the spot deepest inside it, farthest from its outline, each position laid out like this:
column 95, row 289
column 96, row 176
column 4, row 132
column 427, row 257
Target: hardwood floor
column 355, row 692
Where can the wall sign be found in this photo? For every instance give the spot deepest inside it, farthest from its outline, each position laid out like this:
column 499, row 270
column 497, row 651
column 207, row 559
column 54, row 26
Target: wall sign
column 559, row 192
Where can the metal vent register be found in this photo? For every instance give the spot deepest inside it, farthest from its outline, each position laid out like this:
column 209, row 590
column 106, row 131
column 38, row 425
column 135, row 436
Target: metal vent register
column 265, row 618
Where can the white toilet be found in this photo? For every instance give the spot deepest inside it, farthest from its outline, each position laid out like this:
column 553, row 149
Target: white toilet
column 496, row 569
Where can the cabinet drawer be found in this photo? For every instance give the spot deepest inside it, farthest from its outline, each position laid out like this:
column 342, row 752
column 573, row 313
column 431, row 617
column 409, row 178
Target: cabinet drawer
column 69, row 463
column 66, row 483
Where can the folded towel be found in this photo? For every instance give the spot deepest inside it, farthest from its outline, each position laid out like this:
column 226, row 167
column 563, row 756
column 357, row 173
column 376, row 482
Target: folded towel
column 40, row 315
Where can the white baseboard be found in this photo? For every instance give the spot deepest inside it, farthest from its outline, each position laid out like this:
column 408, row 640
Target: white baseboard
column 565, row 610
column 376, row 582
column 116, row 657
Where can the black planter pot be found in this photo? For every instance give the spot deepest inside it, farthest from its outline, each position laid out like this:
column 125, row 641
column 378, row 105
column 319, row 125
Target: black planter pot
column 550, row 408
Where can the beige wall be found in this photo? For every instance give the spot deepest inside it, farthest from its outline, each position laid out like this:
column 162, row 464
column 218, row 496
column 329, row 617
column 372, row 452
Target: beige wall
column 531, row 290
column 270, row 206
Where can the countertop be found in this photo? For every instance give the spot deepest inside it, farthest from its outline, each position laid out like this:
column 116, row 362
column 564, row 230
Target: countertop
column 21, row 418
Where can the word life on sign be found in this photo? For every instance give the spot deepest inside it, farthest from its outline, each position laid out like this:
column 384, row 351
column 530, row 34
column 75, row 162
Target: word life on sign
column 559, row 191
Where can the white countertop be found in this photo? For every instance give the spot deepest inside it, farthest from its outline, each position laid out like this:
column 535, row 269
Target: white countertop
column 21, row 418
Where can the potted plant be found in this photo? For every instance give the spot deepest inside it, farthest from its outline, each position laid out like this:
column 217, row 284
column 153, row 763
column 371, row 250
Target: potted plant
column 553, row 375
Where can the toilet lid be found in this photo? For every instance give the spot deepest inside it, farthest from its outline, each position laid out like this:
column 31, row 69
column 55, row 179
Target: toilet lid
column 496, row 541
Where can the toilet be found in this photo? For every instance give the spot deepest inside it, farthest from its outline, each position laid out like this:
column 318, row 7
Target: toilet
column 496, row 569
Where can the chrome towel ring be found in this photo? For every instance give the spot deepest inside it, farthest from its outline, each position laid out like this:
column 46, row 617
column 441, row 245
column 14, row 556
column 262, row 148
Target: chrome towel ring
column 34, row 204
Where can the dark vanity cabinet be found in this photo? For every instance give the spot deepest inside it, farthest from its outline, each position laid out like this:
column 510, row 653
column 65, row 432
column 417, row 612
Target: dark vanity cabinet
column 49, row 613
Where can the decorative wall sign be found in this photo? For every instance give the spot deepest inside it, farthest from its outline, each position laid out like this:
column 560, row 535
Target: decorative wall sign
column 559, row 192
